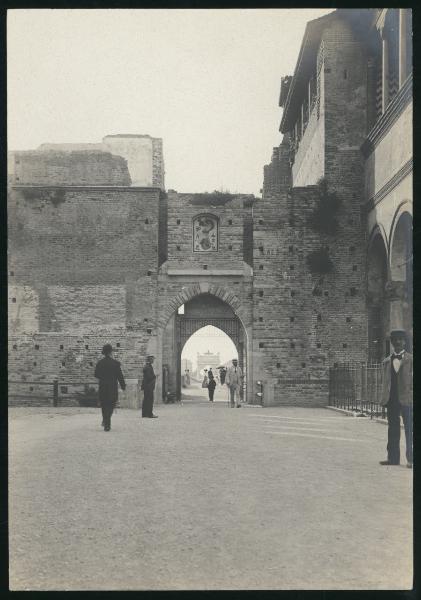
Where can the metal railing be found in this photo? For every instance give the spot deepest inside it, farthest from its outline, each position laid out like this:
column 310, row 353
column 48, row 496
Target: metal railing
column 357, row 387
column 52, row 393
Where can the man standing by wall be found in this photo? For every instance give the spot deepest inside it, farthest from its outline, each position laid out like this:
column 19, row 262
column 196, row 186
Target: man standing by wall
column 148, row 387
column 397, row 397
column 233, row 379
column 108, row 371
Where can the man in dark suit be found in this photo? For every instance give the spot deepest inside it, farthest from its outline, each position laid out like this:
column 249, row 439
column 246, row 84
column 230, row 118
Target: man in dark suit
column 397, row 397
column 108, row 371
column 148, row 387
column 211, row 384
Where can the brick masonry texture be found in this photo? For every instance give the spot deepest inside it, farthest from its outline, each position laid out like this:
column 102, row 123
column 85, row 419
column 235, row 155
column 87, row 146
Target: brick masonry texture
column 82, row 272
column 89, row 265
column 70, row 168
column 158, row 167
column 181, row 211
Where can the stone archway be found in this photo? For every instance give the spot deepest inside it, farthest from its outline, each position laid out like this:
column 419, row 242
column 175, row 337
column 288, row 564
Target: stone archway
column 175, row 329
column 191, row 290
column 230, row 329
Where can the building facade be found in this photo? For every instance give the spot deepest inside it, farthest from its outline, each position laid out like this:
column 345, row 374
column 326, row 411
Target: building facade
column 313, row 273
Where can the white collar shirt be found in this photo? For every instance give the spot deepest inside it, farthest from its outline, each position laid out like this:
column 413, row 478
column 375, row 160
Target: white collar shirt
column 396, row 362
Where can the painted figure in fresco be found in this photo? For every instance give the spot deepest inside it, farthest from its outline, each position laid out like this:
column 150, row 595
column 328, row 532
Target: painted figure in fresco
column 108, row 371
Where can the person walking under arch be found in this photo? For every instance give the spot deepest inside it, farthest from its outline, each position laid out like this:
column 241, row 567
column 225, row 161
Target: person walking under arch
column 108, row 371
column 397, row 397
column 233, row 379
column 148, row 387
column 211, row 385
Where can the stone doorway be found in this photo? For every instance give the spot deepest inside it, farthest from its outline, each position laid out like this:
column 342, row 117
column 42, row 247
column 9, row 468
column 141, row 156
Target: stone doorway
column 188, row 326
column 198, row 312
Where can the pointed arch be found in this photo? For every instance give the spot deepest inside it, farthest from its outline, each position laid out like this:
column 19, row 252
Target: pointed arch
column 190, row 291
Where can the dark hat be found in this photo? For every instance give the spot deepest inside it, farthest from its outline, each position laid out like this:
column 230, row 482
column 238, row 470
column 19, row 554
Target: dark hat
column 107, row 349
column 150, row 356
column 398, row 333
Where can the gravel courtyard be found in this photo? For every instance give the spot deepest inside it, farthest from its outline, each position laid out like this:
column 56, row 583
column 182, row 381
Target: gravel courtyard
column 205, row 497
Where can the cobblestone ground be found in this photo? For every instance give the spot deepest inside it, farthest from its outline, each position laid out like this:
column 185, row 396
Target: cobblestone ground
column 205, row 497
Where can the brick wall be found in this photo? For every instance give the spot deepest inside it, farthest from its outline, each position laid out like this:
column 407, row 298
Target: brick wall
column 142, row 153
column 300, row 392
column 69, row 168
column 82, row 272
column 182, row 208
column 345, row 106
column 305, row 322
column 278, row 171
column 36, row 360
column 158, row 167
column 207, row 305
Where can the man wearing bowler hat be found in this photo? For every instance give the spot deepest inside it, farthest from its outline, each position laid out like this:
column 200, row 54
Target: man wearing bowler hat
column 397, row 397
column 108, row 371
column 148, row 387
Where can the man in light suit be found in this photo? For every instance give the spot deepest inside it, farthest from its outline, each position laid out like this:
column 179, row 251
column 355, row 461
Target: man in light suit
column 234, row 379
column 397, row 397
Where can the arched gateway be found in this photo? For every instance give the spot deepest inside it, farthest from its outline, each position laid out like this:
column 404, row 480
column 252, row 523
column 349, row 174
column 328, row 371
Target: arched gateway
column 203, row 305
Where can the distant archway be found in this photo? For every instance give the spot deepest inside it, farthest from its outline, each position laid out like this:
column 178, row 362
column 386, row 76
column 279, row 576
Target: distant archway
column 208, row 347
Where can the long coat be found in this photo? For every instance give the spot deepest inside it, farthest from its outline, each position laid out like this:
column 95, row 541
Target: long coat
column 108, row 371
column 404, row 380
column 149, row 378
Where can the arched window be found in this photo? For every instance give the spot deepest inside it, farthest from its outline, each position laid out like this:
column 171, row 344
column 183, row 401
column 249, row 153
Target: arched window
column 205, row 233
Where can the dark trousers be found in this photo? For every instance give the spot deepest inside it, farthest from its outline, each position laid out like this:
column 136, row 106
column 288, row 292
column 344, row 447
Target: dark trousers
column 147, row 404
column 107, row 411
column 394, row 413
column 211, row 393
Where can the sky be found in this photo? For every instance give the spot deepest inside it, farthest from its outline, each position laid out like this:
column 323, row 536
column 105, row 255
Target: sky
column 209, row 338
column 206, row 81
